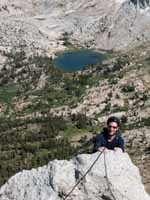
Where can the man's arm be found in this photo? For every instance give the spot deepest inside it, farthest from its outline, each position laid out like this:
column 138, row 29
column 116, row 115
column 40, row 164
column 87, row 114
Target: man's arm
column 98, row 143
column 121, row 145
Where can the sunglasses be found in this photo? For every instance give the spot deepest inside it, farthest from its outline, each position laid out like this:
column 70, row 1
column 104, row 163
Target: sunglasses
column 114, row 127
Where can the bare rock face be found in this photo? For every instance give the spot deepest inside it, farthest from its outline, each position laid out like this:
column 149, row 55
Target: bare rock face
column 46, row 25
column 113, row 177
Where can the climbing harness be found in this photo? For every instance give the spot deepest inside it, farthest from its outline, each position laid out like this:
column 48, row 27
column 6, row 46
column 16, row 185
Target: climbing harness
column 84, row 174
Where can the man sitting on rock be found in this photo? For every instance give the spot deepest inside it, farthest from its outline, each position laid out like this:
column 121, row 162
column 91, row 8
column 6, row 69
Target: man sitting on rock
column 110, row 137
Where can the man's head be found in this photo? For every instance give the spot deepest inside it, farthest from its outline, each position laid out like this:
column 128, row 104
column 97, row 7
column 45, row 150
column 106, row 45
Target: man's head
column 113, row 124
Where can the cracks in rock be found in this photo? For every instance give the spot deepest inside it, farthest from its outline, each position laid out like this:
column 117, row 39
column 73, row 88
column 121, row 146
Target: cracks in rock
column 105, row 197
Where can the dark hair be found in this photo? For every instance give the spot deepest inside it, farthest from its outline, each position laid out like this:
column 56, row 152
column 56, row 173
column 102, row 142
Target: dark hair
column 113, row 119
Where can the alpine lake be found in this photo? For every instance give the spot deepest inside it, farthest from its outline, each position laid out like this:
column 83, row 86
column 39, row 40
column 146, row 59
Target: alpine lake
column 71, row 61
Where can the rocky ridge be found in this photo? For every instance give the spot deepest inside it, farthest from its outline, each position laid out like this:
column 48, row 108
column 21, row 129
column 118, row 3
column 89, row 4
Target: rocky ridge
column 113, row 176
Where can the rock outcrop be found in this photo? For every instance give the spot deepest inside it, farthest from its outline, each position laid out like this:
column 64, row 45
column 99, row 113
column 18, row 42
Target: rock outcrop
column 112, row 177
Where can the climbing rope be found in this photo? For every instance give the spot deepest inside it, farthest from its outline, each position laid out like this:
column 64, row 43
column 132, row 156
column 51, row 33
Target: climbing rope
column 84, row 174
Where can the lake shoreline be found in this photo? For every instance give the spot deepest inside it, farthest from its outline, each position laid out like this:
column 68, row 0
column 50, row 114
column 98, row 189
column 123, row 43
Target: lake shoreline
column 75, row 60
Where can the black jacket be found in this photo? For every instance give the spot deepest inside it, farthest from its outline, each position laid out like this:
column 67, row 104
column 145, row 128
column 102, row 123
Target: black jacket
column 101, row 140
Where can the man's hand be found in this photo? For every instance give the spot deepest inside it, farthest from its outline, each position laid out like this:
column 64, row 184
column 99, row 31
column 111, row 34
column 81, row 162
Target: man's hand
column 102, row 149
column 117, row 149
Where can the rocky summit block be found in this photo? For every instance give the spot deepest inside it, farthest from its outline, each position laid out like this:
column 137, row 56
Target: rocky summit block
column 113, row 177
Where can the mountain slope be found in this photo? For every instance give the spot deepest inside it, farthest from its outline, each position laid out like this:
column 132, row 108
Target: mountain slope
column 95, row 24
